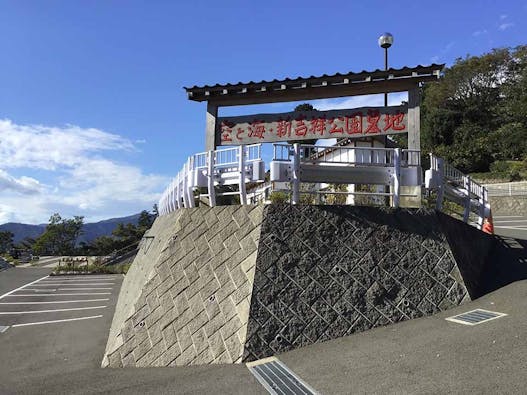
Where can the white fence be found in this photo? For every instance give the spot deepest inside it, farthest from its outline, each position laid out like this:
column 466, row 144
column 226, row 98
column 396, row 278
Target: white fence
column 507, row 189
column 302, row 163
column 294, row 164
column 453, row 184
column 231, row 166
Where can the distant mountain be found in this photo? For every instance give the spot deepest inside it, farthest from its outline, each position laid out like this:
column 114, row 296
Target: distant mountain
column 90, row 231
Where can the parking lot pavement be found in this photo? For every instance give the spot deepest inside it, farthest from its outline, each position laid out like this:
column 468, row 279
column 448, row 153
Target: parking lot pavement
column 57, row 331
column 58, row 299
column 53, row 324
column 511, row 226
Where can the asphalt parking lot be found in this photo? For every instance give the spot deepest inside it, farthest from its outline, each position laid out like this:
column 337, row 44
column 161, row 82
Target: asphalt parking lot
column 57, row 329
column 511, row 226
column 58, row 300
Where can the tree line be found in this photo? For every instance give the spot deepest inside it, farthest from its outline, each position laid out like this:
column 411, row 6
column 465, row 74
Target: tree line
column 476, row 115
column 61, row 235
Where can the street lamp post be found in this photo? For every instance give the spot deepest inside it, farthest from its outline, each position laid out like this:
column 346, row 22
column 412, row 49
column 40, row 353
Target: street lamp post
column 385, row 41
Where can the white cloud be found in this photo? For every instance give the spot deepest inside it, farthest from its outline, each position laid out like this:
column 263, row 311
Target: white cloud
column 505, row 26
column 394, row 99
column 503, row 16
column 24, row 185
column 479, row 33
column 80, row 180
column 443, row 52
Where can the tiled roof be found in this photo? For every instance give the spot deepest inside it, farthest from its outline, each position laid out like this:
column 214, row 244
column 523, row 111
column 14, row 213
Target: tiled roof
column 206, row 92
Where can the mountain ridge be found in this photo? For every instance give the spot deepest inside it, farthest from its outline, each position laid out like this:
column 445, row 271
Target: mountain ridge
column 90, row 231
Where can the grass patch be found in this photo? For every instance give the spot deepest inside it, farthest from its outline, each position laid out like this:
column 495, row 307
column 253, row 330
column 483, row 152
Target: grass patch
column 95, row 268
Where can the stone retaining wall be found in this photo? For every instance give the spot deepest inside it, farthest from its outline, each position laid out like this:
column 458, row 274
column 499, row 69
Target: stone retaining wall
column 508, row 205
column 193, row 307
column 239, row 283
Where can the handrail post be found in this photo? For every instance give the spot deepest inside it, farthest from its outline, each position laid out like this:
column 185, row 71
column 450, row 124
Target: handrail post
column 170, row 197
column 441, row 188
column 178, row 189
column 241, row 165
column 184, row 186
column 296, row 173
column 396, row 177
column 190, row 174
column 210, row 185
column 482, row 207
column 466, row 187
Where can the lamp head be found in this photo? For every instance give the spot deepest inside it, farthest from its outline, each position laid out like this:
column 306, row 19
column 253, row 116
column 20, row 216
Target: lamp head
column 386, row 40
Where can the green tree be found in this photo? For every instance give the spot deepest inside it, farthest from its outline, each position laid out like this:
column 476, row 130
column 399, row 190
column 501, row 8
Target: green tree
column 60, row 236
column 478, row 112
column 305, row 107
column 6, row 241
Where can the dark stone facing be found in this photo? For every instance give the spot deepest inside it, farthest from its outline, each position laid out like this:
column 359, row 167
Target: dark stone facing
column 323, row 272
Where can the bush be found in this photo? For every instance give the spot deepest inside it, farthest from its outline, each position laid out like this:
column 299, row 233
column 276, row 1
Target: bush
column 278, row 197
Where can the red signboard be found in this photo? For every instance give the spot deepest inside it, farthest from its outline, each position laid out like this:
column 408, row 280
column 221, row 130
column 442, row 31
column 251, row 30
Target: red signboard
column 353, row 123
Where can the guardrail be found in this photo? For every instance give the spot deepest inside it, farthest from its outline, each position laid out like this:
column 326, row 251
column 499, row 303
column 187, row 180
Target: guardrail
column 507, row 189
column 291, row 164
column 303, row 163
column 236, row 165
column 459, row 187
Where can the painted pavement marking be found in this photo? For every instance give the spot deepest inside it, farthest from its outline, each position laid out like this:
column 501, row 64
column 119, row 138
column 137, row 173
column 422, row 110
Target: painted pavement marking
column 57, row 301
column 56, row 321
column 19, row 288
column 82, row 289
column 74, row 294
column 49, row 311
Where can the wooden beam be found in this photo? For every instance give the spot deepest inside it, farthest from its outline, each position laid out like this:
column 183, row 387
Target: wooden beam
column 210, row 127
column 414, row 119
column 318, row 92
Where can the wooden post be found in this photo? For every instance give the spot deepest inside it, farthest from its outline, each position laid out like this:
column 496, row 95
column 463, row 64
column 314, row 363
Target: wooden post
column 210, row 130
column 414, row 119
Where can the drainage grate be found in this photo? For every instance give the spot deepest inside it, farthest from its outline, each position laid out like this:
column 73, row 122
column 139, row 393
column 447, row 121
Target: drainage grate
column 3, row 328
column 475, row 317
column 277, row 378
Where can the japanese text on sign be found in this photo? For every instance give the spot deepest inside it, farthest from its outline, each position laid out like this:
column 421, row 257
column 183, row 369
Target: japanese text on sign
column 352, row 123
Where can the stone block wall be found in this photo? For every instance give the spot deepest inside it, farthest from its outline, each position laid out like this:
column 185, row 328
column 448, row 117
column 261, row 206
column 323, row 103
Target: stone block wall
column 190, row 295
column 238, row 283
column 324, row 272
column 508, row 205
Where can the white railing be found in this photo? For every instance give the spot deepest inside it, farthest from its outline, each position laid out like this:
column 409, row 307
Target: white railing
column 303, row 163
column 459, row 187
column 231, row 166
column 507, row 189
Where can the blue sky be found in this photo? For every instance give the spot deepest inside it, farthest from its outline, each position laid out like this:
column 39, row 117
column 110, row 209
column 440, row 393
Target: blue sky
column 94, row 120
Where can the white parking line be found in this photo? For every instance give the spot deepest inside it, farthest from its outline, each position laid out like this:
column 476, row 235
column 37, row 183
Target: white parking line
column 47, row 284
column 39, row 289
column 86, row 278
column 79, row 293
column 512, row 227
column 55, row 321
column 508, row 216
column 58, row 301
column 510, row 220
column 81, row 289
column 19, row 288
column 49, row 311
column 75, row 280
